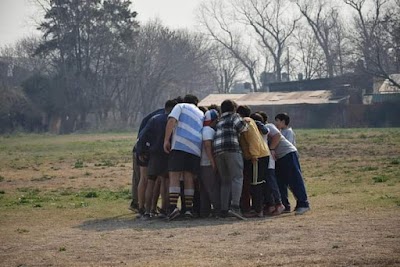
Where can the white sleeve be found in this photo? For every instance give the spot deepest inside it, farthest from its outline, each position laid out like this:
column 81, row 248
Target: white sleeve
column 208, row 133
column 272, row 129
column 176, row 112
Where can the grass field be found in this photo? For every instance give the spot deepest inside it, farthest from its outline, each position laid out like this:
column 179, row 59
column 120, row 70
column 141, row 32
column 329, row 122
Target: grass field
column 64, row 199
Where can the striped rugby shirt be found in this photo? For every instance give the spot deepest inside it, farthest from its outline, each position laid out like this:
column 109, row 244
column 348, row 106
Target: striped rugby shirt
column 187, row 134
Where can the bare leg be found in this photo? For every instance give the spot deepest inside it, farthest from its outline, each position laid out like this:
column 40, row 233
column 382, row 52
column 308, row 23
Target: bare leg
column 156, row 193
column 142, row 187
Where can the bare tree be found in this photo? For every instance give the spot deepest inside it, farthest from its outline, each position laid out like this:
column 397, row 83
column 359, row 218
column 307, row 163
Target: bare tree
column 271, row 24
column 324, row 21
column 310, row 57
column 225, row 68
column 377, row 35
column 213, row 16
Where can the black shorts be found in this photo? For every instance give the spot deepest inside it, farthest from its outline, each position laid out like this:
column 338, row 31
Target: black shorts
column 158, row 165
column 180, row 161
column 143, row 163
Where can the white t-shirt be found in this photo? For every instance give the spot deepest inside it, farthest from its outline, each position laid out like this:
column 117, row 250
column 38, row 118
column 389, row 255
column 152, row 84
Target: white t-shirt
column 284, row 146
column 208, row 134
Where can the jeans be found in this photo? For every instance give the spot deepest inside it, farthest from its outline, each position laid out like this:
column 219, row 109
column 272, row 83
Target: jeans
column 230, row 168
column 288, row 174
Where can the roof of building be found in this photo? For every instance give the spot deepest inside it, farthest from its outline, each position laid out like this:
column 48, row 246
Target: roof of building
column 387, row 87
column 275, row 98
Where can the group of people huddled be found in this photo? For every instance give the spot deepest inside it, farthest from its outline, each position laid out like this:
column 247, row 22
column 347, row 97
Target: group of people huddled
column 219, row 161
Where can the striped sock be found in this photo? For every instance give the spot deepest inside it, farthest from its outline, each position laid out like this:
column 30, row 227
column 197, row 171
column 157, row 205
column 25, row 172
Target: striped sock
column 174, row 193
column 189, row 193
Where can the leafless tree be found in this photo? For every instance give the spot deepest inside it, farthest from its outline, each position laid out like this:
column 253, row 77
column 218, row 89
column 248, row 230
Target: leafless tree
column 214, row 16
column 272, row 24
column 376, row 32
column 324, row 21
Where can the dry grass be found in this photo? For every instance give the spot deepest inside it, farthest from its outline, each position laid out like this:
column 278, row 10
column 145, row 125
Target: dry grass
column 63, row 202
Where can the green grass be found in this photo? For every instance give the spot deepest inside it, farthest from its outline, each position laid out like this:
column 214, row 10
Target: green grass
column 354, row 167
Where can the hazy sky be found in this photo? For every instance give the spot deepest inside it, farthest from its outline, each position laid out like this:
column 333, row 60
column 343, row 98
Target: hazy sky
column 17, row 17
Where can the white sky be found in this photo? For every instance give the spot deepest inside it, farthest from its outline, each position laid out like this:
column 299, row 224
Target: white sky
column 17, row 17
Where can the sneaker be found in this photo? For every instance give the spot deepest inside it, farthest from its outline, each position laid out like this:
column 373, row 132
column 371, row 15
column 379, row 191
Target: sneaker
column 162, row 214
column 235, row 211
column 223, row 214
column 153, row 213
column 175, row 213
column 140, row 213
column 302, row 210
column 287, row 210
column 268, row 210
column 249, row 214
column 134, row 207
column 188, row 214
column 146, row 217
column 279, row 208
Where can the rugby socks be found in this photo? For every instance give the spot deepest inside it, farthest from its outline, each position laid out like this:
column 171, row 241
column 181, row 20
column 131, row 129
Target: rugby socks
column 189, row 193
column 174, row 193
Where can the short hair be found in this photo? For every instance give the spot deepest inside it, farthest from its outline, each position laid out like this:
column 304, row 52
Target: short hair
column 264, row 115
column 228, row 106
column 216, row 107
column 244, row 111
column 170, row 104
column 178, row 99
column 191, row 99
column 257, row 117
column 283, row 117
column 204, row 109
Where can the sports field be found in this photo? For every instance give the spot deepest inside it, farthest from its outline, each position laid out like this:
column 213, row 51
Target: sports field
column 64, row 200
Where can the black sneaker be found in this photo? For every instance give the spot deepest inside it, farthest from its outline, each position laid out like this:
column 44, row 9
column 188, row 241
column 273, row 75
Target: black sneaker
column 140, row 213
column 146, row 217
column 134, row 207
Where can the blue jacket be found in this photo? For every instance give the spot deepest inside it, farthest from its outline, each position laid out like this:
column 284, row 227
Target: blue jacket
column 153, row 133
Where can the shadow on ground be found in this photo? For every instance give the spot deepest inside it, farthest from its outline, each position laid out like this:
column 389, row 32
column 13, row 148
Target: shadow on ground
column 127, row 221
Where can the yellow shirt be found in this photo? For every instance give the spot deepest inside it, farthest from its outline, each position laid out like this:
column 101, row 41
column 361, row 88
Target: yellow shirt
column 252, row 143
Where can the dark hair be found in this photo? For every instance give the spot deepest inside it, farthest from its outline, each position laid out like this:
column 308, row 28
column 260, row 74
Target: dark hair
column 204, row 109
column 216, row 107
column 191, row 99
column 178, row 99
column 228, row 106
column 264, row 115
column 257, row 117
column 244, row 111
column 170, row 104
column 283, row 117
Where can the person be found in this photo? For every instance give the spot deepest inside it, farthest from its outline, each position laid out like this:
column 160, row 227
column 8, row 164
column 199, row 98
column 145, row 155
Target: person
column 209, row 180
column 139, row 175
column 256, row 158
column 154, row 133
column 182, row 142
column 228, row 157
column 282, row 121
column 272, row 195
column 288, row 172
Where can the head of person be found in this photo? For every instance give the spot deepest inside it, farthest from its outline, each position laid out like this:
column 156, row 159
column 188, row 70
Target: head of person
column 169, row 105
column 178, row 99
column 257, row 117
column 243, row 111
column 264, row 115
column 282, row 120
column 210, row 117
column 214, row 106
column 228, row 106
column 203, row 109
column 191, row 99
